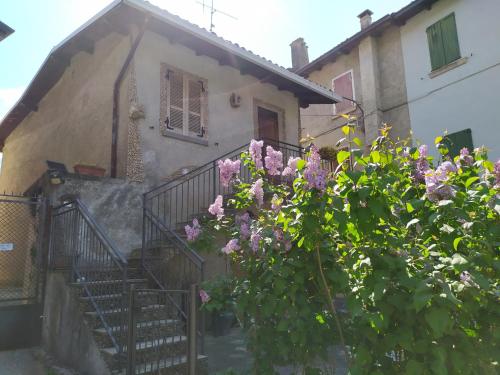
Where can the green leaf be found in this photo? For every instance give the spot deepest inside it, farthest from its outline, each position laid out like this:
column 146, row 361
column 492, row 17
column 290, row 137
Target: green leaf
column 301, row 241
column 470, row 181
column 375, row 156
column 342, row 155
column 414, row 368
column 447, row 228
column 301, row 164
column 439, row 320
column 409, row 207
column 458, row 259
column 345, row 129
column 438, row 139
column 444, row 202
column 358, row 141
column 456, row 241
column 412, row 222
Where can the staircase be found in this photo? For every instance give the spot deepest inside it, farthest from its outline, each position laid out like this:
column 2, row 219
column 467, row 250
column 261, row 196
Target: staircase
column 145, row 317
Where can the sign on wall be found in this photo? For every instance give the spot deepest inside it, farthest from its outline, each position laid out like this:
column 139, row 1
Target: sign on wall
column 6, row 246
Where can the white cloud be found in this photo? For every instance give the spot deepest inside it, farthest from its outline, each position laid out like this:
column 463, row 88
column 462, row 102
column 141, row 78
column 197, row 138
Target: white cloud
column 8, row 97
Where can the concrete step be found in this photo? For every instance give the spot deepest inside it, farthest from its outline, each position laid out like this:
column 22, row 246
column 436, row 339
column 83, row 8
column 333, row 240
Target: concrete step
column 118, row 310
column 107, row 282
column 152, row 324
column 150, row 344
column 165, row 365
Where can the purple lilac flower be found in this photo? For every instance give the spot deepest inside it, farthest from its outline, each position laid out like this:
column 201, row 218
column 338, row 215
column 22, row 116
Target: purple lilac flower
column 465, row 159
column 314, row 175
column 423, row 150
column 291, row 168
column 244, row 218
column 273, row 161
column 465, row 277
column 231, row 247
column 254, row 241
column 194, row 231
column 422, row 164
column 245, row 231
column 256, row 152
column 227, row 169
column 204, row 296
column 435, row 182
column 278, row 234
column 216, row 208
column 288, row 245
column 257, row 191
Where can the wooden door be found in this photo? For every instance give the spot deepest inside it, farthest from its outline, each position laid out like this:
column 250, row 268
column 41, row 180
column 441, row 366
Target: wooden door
column 268, row 125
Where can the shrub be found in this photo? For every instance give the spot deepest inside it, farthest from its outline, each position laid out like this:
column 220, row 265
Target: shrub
column 414, row 249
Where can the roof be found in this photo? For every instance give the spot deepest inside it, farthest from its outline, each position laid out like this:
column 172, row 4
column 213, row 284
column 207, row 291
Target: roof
column 5, row 31
column 376, row 28
column 116, row 17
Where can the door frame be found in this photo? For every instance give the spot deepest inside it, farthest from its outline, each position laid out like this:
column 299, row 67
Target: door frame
column 270, row 107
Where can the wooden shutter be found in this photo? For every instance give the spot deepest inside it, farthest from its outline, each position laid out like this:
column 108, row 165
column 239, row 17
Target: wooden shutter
column 343, row 85
column 457, row 141
column 195, row 92
column 450, row 38
column 176, row 102
column 443, row 42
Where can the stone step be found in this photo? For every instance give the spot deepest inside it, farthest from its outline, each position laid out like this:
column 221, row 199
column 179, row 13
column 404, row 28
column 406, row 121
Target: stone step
column 150, row 344
column 107, row 282
column 165, row 365
column 154, row 324
column 118, row 310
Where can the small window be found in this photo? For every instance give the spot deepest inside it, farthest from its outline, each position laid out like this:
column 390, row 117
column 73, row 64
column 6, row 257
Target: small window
column 457, row 141
column 182, row 103
column 443, row 42
column 343, row 85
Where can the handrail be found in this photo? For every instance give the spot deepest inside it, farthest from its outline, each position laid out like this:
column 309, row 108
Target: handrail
column 191, row 253
column 241, row 148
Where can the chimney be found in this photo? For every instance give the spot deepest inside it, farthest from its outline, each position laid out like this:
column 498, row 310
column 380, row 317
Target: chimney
column 300, row 57
column 365, row 18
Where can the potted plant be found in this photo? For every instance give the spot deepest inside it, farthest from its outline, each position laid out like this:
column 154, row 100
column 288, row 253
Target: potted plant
column 329, row 154
column 89, row 170
column 217, row 299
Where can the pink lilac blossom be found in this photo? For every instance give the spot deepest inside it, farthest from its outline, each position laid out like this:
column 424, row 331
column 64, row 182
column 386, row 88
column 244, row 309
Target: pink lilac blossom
column 273, row 161
column 256, row 152
column 314, row 175
column 204, row 296
column 245, row 218
column 194, row 231
column 465, row 160
column 291, row 167
column 216, row 208
column 254, row 241
column 231, row 247
column 435, row 182
column 257, row 191
column 245, row 231
column 227, row 169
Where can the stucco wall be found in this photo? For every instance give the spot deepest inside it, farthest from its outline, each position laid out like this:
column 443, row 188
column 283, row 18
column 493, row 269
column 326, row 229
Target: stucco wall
column 466, row 96
column 391, row 90
column 227, row 127
column 73, row 121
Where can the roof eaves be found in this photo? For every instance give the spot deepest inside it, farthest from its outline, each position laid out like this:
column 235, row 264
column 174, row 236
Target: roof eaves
column 233, row 48
column 5, row 30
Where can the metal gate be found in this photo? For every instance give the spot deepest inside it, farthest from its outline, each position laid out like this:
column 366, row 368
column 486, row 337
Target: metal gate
column 21, row 270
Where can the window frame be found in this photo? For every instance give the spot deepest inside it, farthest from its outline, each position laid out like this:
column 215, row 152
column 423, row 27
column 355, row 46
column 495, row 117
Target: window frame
column 442, row 46
column 353, row 106
column 165, row 105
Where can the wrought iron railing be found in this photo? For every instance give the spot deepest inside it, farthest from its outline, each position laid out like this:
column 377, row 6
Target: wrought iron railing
column 78, row 244
column 161, row 338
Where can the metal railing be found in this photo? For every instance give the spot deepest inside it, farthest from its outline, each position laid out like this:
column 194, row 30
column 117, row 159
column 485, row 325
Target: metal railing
column 161, row 338
column 78, row 244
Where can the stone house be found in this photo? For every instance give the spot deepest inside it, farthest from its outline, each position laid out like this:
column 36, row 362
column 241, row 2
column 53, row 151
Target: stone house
column 398, row 70
column 151, row 102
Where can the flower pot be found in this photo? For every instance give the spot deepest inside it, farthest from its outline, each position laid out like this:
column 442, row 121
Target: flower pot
column 222, row 323
column 89, row 170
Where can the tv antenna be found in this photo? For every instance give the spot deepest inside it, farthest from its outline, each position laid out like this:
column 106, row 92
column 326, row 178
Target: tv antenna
column 212, row 12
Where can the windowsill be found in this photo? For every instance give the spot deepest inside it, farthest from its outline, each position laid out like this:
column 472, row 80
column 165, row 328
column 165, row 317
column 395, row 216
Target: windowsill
column 185, row 138
column 346, row 112
column 448, row 67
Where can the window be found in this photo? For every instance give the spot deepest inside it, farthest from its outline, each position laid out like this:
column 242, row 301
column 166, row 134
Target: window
column 443, row 42
column 457, row 141
column 183, row 101
column 343, row 85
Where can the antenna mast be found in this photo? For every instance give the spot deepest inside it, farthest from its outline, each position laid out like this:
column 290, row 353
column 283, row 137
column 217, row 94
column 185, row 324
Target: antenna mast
column 212, row 12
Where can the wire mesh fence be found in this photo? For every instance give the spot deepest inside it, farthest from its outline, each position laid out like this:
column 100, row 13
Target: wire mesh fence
column 20, row 249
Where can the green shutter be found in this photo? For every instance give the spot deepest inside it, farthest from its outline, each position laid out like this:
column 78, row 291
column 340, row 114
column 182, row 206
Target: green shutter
column 457, row 141
column 450, row 38
column 436, row 46
column 443, row 42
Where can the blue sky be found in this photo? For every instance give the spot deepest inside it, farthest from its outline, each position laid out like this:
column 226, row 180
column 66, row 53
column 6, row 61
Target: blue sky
column 264, row 26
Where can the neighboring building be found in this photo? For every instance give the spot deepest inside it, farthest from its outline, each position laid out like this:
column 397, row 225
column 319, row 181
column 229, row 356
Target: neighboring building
column 452, row 73
column 428, row 67
column 5, row 31
column 142, row 94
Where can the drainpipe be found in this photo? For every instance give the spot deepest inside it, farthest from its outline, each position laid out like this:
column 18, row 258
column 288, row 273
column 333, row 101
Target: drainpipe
column 116, row 98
